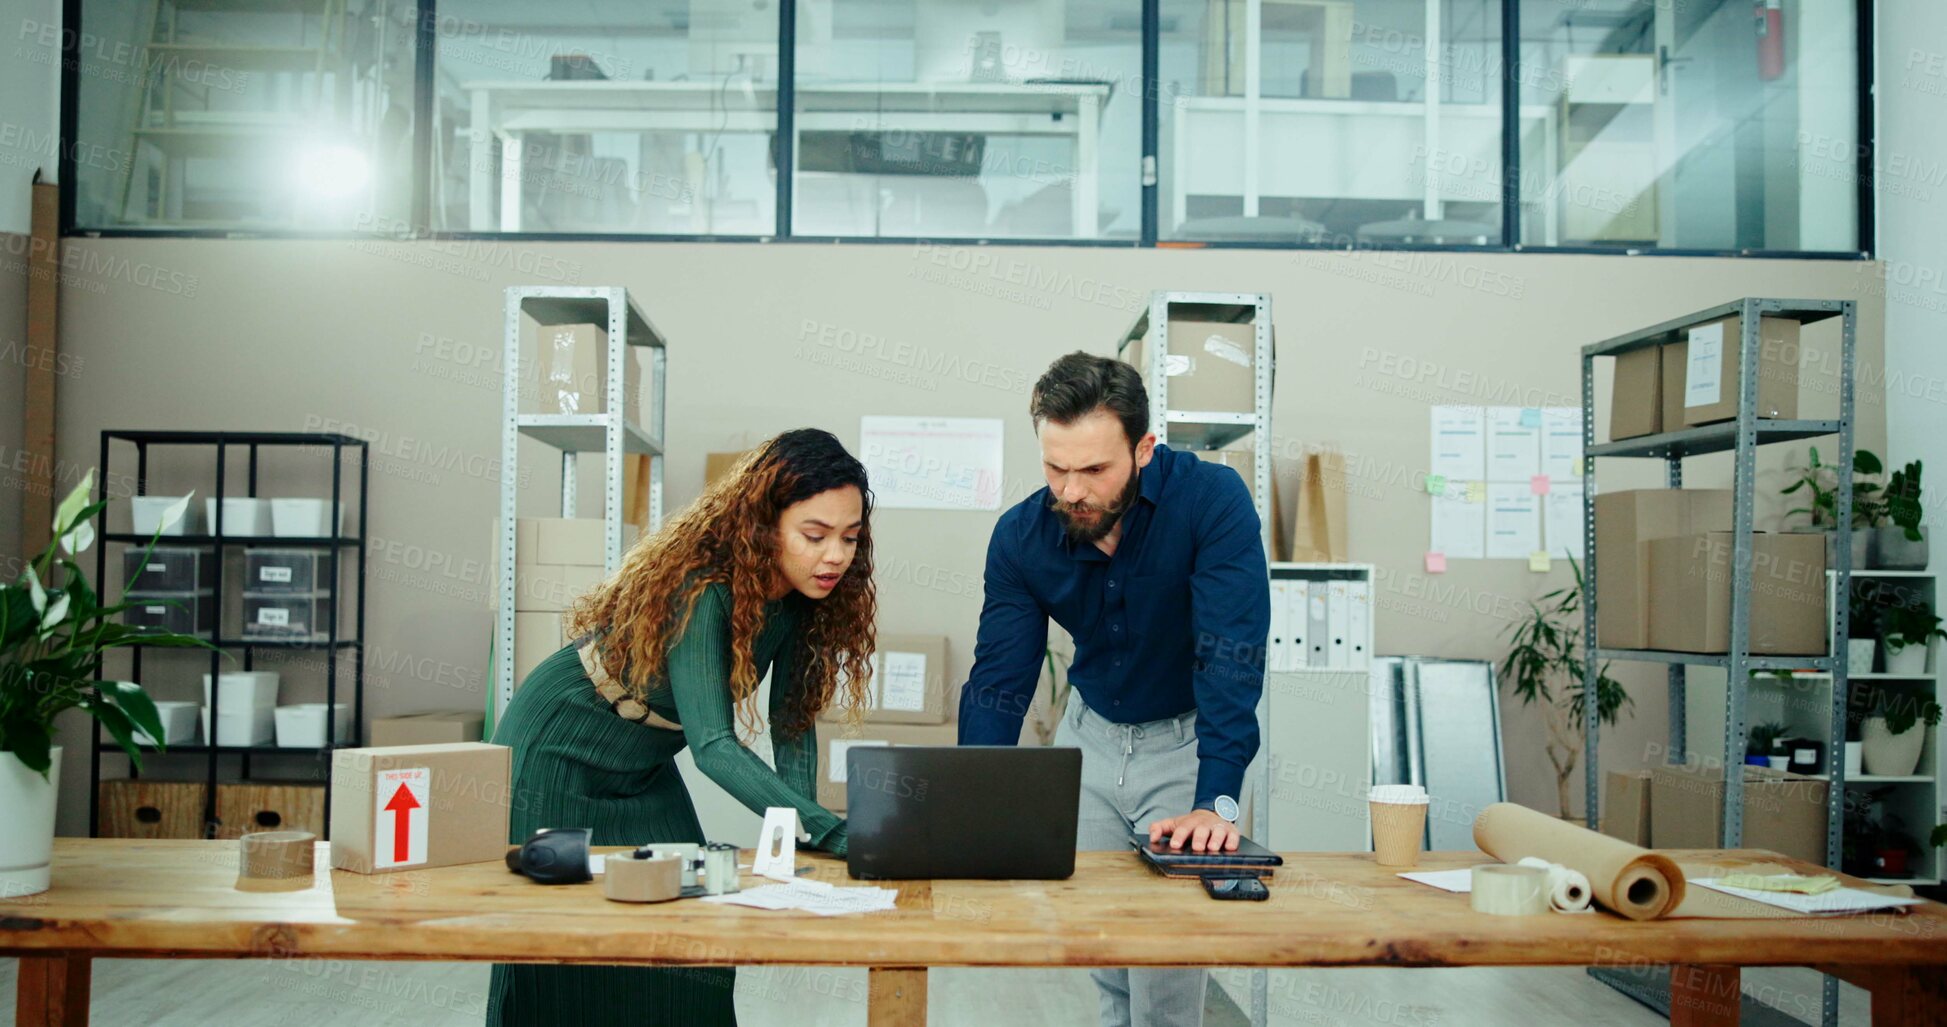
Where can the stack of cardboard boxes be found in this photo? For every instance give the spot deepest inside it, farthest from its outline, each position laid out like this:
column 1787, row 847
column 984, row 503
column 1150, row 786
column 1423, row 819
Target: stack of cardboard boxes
column 556, row 561
column 1680, row 807
column 1692, row 381
column 910, row 706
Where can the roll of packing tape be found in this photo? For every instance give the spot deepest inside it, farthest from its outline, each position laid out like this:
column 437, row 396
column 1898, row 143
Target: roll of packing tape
column 1568, row 890
column 1503, row 889
column 656, row 879
column 275, row 860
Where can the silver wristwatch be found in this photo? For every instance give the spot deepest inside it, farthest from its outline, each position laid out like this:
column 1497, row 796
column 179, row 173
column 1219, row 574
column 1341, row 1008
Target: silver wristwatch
column 1225, row 807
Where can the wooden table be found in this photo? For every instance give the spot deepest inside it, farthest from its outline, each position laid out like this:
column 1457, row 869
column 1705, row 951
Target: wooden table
column 164, row 899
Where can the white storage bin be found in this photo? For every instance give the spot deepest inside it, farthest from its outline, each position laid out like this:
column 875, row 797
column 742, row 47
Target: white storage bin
column 145, row 514
column 242, row 727
column 178, row 723
column 306, row 517
column 302, row 725
column 242, row 516
column 245, row 689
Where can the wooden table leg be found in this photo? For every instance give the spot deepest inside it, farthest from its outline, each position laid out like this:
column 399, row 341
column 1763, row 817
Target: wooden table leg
column 896, row 998
column 1704, row 995
column 52, row 991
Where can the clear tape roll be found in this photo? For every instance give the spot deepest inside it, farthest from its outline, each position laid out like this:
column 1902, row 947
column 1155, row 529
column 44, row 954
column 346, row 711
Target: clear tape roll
column 1505, row 889
column 1568, row 889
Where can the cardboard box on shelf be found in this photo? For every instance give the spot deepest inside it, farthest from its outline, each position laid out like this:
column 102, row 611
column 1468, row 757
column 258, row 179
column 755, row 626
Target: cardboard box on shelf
column 573, row 363
column 716, row 465
column 412, row 807
column 909, row 683
column 1670, row 365
column 435, row 728
column 574, row 541
column 1626, row 807
column 834, row 740
column 1210, row 366
column 1243, row 461
column 537, row 636
column 1690, row 593
column 1636, row 396
column 549, row 588
column 1623, row 522
column 1783, row 812
column 1709, row 357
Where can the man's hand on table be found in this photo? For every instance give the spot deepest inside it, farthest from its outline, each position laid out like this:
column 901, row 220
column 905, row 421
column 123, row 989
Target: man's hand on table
column 1201, row 830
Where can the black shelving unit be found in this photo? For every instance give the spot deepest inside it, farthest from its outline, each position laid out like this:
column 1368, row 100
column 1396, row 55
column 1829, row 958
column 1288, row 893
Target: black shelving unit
column 350, row 644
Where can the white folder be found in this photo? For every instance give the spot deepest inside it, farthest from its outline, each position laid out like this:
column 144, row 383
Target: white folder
column 1358, row 623
column 1298, row 625
column 1338, row 607
column 1317, row 627
column 1276, row 650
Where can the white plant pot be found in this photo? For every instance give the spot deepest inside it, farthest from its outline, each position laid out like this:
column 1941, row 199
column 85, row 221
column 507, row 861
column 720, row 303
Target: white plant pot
column 1859, row 655
column 27, row 808
column 1854, row 758
column 1888, row 754
column 1779, row 762
column 1910, row 659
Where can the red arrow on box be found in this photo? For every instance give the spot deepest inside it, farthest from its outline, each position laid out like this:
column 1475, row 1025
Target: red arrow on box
column 401, row 806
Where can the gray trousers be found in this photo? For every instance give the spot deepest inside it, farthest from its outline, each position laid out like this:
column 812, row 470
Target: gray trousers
column 1133, row 774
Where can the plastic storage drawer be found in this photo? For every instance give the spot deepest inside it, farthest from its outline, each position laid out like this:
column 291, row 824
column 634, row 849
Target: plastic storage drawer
column 184, row 613
column 290, row 618
column 169, row 569
column 285, row 571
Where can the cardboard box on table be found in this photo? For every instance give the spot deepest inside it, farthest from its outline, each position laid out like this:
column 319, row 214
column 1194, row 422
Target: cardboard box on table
column 1623, row 522
column 909, row 683
column 1690, row 593
column 835, row 739
column 435, row 728
column 1783, row 812
column 453, row 801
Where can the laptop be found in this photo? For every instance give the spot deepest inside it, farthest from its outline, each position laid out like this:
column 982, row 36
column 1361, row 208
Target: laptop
column 963, row 811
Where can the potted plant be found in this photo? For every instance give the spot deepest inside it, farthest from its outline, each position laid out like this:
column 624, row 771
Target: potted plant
column 1863, row 610
column 1859, row 704
column 53, row 635
column 1544, row 666
column 1909, row 627
column 1902, row 545
column 1821, row 483
column 1764, row 748
column 1891, row 745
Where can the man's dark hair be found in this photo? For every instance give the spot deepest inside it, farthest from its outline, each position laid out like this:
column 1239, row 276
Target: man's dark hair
column 1081, row 383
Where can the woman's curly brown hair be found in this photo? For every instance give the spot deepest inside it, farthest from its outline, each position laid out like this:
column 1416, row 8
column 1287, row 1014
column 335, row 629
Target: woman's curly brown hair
column 730, row 535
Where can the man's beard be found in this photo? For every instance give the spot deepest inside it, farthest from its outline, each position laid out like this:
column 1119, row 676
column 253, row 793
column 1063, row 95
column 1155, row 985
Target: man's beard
column 1109, row 516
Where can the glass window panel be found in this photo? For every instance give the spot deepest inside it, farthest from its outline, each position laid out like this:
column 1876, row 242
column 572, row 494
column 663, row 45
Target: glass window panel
column 1331, row 121
column 244, row 114
column 968, row 119
column 1695, row 125
column 624, row 116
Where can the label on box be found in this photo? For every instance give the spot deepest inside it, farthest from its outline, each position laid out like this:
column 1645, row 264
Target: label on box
column 275, row 616
column 1177, row 363
column 1703, row 371
column 837, row 770
column 158, row 568
column 282, row 574
column 1224, row 349
column 904, row 682
column 154, row 609
column 399, row 816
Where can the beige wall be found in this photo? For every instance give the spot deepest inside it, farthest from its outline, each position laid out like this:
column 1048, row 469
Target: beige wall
column 13, row 382
column 399, row 342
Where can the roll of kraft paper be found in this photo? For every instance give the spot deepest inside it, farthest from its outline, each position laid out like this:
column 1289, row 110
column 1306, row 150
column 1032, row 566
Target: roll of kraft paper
column 1568, row 890
column 1623, row 878
column 1504, row 890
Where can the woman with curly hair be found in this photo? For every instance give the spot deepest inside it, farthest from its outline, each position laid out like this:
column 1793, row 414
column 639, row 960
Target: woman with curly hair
column 770, row 570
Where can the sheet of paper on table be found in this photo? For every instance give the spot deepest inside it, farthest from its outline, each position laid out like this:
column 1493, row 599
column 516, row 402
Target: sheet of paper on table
column 1836, row 902
column 1461, row 880
column 811, row 897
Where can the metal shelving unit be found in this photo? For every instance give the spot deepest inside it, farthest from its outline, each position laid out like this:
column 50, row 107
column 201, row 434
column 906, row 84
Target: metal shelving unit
column 1740, row 436
column 1205, row 429
column 216, row 542
column 612, row 432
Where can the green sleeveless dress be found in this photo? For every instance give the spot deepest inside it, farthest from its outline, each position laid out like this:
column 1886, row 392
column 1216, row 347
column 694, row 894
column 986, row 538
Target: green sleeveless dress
column 576, row 763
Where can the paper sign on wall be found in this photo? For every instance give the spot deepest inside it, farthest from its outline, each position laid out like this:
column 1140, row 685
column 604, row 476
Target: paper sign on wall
column 1459, row 443
column 1703, row 370
column 400, row 817
column 933, row 463
column 903, row 683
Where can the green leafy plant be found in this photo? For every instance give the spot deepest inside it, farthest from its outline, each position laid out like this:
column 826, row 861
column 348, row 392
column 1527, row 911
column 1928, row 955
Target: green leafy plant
column 53, row 635
column 1910, row 623
column 1821, row 483
column 1765, row 738
column 1903, row 499
column 1544, row 667
column 1901, row 710
column 1938, row 837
